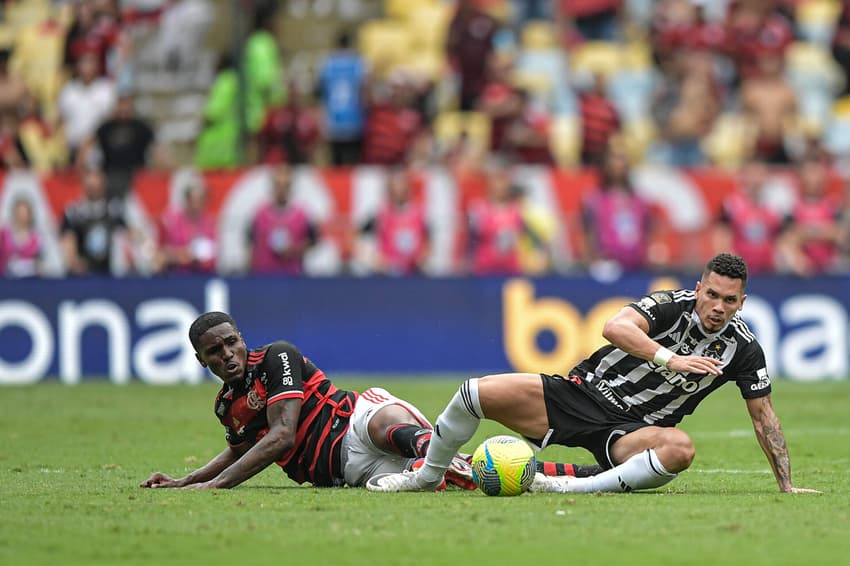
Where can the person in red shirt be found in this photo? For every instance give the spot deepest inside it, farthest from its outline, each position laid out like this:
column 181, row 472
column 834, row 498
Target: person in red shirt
column 278, row 407
column 392, row 124
column 599, row 121
column 755, row 28
column 470, row 42
column 291, row 131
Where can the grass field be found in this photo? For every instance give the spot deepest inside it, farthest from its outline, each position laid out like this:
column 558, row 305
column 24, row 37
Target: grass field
column 71, row 459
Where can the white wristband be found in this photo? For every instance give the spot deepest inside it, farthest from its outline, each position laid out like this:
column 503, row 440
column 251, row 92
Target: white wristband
column 662, row 356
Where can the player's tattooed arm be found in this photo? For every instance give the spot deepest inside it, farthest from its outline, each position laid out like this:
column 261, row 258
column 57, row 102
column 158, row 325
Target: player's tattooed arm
column 283, row 422
column 772, row 440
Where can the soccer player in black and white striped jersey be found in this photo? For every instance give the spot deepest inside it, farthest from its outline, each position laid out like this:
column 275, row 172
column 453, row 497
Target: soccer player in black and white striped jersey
column 667, row 352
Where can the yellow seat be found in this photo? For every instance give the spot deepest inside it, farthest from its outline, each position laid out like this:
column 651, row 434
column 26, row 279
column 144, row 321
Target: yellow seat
column 451, row 126
column 841, row 107
column 597, row 57
column 384, row 43
column 535, row 83
column 37, row 59
column 428, row 26
column 403, row 8
column 806, row 57
column 730, row 141
column 537, row 35
column 427, row 63
column 818, row 12
column 565, row 140
column 638, row 135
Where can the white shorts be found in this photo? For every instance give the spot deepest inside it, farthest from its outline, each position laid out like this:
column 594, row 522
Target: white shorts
column 361, row 459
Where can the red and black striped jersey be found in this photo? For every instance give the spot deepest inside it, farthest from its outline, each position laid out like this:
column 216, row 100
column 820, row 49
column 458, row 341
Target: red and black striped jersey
column 276, row 372
column 646, row 391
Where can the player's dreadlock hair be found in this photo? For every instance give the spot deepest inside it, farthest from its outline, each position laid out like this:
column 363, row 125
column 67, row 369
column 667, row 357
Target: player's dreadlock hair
column 728, row 265
column 205, row 322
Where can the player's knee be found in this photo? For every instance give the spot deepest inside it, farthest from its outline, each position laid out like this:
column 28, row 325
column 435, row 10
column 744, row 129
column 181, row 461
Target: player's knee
column 679, row 450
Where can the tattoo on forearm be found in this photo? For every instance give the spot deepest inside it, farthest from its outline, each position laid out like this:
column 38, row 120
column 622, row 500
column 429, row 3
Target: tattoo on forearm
column 773, row 440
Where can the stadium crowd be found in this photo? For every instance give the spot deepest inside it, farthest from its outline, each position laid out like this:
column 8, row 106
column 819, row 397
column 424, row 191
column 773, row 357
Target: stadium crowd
column 475, row 87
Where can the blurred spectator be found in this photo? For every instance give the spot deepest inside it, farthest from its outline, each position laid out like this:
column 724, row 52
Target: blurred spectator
column 188, row 241
column 183, row 26
column 541, row 229
column 814, row 225
column 683, row 25
column 470, row 43
column 12, row 153
column 617, row 221
column 85, row 102
column 124, row 143
column 400, row 228
column 12, row 88
column 392, row 125
column 747, row 224
column 496, row 225
column 754, row 29
column 499, row 99
column 841, row 44
column 43, row 143
column 291, row 131
column 588, row 20
column 281, row 232
column 527, row 134
column 21, row 245
column 217, row 145
column 685, row 109
column 770, row 104
column 94, row 30
column 527, row 10
column 342, row 82
column 90, row 226
column 264, row 85
column 599, row 121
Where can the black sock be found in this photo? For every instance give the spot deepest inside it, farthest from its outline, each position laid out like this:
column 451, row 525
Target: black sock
column 564, row 469
column 409, row 440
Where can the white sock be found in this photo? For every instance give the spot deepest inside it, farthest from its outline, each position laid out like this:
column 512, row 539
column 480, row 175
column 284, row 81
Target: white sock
column 455, row 426
column 641, row 471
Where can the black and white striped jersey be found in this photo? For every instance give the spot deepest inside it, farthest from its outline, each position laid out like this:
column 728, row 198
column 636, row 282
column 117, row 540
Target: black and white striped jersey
column 663, row 397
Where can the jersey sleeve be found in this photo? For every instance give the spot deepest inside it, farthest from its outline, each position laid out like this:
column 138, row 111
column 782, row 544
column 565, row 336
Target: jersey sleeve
column 750, row 373
column 659, row 309
column 284, row 368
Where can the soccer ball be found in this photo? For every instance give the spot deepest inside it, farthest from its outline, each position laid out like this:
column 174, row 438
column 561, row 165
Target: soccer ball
column 503, row 465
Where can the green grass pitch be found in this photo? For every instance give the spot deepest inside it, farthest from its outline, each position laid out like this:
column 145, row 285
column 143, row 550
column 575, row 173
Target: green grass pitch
column 71, row 459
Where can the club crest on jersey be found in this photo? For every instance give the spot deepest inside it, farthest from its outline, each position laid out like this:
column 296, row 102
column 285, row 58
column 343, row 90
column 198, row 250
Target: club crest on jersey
column 715, row 350
column 254, row 401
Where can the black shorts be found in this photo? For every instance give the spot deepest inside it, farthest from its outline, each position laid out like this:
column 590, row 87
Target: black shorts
column 578, row 420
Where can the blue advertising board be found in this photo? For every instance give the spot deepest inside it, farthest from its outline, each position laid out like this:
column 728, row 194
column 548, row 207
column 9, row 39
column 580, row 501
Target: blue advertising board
column 122, row 329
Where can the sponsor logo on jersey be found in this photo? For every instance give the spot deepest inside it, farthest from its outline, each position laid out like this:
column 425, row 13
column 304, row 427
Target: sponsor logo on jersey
column 764, row 380
column 284, row 359
column 676, row 379
column 610, row 396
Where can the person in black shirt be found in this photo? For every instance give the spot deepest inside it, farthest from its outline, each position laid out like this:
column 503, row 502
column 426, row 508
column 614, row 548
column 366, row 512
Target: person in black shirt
column 88, row 227
column 124, row 141
column 278, row 407
column 667, row 352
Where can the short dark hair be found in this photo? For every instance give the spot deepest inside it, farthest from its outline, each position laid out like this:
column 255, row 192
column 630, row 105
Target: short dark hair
column 728, row 265
column 205, row 322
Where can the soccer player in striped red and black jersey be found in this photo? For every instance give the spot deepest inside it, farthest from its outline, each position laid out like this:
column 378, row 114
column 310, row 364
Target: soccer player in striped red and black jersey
column 667, row 352
column 278, row 407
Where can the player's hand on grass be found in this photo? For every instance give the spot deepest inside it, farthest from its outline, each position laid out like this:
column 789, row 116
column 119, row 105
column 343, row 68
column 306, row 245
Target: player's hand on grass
column 158, row 479
column 801, row 490
column 694, row 364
